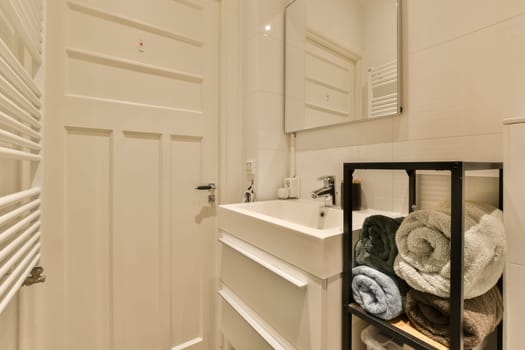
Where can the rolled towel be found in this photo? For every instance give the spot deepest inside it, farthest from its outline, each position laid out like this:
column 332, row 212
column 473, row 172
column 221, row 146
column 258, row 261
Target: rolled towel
column 377, row 245
column 423, row 242
column 379, row 294
column 430, row 315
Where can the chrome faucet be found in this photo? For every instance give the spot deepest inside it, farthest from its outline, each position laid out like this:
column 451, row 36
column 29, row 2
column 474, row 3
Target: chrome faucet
column 328, row 189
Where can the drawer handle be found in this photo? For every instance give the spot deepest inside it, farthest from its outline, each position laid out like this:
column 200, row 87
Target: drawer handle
column 250, row 318
column 233, row 243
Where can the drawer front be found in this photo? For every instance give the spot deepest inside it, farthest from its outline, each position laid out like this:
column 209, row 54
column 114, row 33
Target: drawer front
column 285, row 299
column 239, row 333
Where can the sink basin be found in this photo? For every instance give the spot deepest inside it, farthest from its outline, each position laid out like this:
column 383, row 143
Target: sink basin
column 302, row 232
column 306, row 215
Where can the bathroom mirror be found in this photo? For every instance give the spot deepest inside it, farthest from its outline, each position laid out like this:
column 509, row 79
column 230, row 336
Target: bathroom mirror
column 342, row 62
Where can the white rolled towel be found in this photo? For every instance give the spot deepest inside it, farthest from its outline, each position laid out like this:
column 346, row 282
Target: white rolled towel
column 423, row 242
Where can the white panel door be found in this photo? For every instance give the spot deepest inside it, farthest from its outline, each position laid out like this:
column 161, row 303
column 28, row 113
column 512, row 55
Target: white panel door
column 132, row 128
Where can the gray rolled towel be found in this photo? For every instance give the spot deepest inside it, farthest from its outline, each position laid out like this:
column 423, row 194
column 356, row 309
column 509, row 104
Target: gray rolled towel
column 423, row 242
column 430, row 315
column 377, row 245
column 379, row 294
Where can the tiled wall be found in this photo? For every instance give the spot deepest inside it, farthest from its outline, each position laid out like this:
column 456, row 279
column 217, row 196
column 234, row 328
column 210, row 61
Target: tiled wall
column 262, row 85
column 463, row 73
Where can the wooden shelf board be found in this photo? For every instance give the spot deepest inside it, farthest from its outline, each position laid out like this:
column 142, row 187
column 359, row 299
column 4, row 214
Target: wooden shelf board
column 404, row 324
column 399, row 328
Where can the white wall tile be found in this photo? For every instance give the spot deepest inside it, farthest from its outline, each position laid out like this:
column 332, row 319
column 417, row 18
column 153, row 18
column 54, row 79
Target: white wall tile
column 400, row 192
column 376, row 189
column 472, row 148
column 231, row 117
column 514, row 305
column 358, row 133
column 257, row 14
column 250, row 131
column 376, row 186
column 433, row 22
column 272, row 168
column 266, row 111
column 381, row 152
column 466, row 86
column 263, row 65
column 313, row 164
column 514, row 193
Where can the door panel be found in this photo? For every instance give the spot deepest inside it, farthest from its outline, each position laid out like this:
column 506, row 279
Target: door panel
column 137, row 243
column 134, row 130
column 187, row 280
column 88, row 184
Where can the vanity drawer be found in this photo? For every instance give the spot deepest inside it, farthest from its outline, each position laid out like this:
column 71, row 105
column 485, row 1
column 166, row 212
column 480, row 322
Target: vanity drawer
column 243, row 328
column 283, row 296
column 239, row 333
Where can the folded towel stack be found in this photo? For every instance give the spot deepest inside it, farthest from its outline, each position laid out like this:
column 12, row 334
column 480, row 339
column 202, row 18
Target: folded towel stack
column 417, row 251
column 423, row 261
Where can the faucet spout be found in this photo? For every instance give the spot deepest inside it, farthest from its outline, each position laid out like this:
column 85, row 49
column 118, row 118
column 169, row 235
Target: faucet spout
column 328, row 189
column 322, row 192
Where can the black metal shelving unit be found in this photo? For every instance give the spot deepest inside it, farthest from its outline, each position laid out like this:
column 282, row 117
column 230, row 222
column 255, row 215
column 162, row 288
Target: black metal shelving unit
column 457, row 199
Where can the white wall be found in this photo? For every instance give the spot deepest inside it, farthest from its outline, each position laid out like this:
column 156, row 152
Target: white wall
column 460, row 80
column 262, row 72
column 341, row 22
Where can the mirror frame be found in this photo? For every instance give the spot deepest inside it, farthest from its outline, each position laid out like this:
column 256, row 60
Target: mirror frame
column 399, row 45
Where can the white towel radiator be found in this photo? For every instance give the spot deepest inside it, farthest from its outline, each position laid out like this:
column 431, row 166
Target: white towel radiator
column 20, row 140
column 382, row 90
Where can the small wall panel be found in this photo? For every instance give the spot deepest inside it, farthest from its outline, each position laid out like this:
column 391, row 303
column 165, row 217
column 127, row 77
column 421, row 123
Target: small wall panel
column 88, row 189
column 174, row 16
column 187, row 241
column 136, row 246
column 116, row 79
column 116, row 36
column 328, row 72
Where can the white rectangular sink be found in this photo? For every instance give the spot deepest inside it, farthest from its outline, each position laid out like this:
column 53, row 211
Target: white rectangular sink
column 302, row 232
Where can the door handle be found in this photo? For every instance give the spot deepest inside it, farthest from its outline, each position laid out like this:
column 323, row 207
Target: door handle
column 210, row 188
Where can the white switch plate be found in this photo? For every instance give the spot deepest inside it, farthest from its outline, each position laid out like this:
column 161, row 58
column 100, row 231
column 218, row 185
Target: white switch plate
column 250, row 166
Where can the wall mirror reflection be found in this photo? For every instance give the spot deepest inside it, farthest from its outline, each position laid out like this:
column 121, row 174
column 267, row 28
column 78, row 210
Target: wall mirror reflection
column 342, row 61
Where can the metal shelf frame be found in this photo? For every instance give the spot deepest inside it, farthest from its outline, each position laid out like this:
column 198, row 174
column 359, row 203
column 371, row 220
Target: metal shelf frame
column 457, row 171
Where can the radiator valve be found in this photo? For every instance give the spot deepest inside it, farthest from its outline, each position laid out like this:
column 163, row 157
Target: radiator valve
column 35, row 276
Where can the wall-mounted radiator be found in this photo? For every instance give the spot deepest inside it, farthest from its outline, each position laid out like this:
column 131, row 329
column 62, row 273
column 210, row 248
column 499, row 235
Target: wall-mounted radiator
column 20, row 142
column 382, row 90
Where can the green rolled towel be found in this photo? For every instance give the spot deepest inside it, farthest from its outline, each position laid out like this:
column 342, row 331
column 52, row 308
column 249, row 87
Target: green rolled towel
column 377, row 245
column 430, row 315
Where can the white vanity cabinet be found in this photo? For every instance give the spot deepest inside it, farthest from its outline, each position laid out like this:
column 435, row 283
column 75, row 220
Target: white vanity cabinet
column 267, row 303
column 280, row 275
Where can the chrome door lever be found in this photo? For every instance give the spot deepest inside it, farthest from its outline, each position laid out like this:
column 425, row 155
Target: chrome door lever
column 210, row 188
